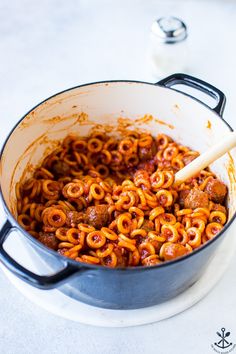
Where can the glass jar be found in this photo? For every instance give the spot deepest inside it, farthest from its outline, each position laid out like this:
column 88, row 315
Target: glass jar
column 168, row 47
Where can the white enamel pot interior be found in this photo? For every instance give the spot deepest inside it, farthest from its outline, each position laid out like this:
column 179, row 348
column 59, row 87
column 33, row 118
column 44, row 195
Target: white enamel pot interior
column 113, row 106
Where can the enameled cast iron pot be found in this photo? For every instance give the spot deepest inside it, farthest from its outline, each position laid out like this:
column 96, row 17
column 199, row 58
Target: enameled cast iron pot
column 189, row 122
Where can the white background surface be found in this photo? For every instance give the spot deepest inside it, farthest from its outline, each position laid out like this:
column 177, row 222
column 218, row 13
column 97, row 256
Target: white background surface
column 47, row 46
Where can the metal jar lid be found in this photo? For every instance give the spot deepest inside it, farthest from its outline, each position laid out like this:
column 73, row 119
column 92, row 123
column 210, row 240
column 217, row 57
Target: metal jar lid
column 169, row 30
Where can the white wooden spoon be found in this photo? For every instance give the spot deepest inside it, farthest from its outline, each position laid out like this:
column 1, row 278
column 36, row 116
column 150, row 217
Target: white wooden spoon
column 213, row 153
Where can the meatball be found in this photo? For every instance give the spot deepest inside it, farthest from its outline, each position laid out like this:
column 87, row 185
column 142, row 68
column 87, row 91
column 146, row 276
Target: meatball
column 142, row 179
column 196, row 199
column 97, row 216
column 147, row 153
column 73, row 218
column 182, row 196
column 171, row 250
column 49, row 240
column 216, row 190
column 60, row 168
column 148, row 166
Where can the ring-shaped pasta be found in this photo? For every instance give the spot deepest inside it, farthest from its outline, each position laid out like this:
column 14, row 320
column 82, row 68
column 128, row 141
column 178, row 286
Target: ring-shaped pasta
column 167, row 219
column 156, row 212
column 72, row 255
column 164, row 197
column 199, row 224
column 138, row 233
column 90, row 259
column 127, row 245
column 70, row 160
column 56, row 217
column 162, row 141
column 35, row 189
column 50, row 187
column 105, row 250
column 183, row 236
column 110, row 144
column 28, row 185
column 105, row 157
column 142, row 197
column 151, row 260
column 116, row 157
column 146, row 249
column 170, row 152
column 183, row 212
column 85, row 228
column 213, row 229
column 177, row 163
column 125, row 146
column 168, row 179
column 145, row 141
column 122, row 237
column 157, row 180
column 38, row 212
column 188, row 248
column 131, row 160
column 157, row 224
column 155, row 236
column 103, row 170
column 65, row 245
column 73, row 235
column 95, row 145
column 18, row 191
column 96, row 191
column 134, row 258
column 73, row 251
column 109, row 234
column 136, row 211
column 194, row 235
column 61, row 233
column 96, row 239
column 73, row 190
column 76, row 248
column 217, row 216
column 106, row 186
column 170, row 233
column 119, row 205
column 110, row 261
column 26, row 209
column 24, row 221
column 67, row 205
column 79, row 145
column 186, row 222
column 150, row 197
column 124, row 223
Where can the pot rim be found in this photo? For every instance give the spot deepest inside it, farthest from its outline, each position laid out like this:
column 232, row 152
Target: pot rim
column 99, row 267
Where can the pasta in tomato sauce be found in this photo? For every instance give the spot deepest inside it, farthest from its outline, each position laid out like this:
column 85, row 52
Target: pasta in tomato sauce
column 111, row 201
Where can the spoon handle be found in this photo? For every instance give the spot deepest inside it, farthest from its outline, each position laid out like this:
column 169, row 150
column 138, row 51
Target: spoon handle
column 205, row 159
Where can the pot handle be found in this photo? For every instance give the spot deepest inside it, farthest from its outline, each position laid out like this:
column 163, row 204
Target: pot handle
column 197, row 84
column 38, row 281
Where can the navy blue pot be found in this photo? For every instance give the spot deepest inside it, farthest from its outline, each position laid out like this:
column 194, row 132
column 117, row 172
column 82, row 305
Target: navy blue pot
column 132, row 287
